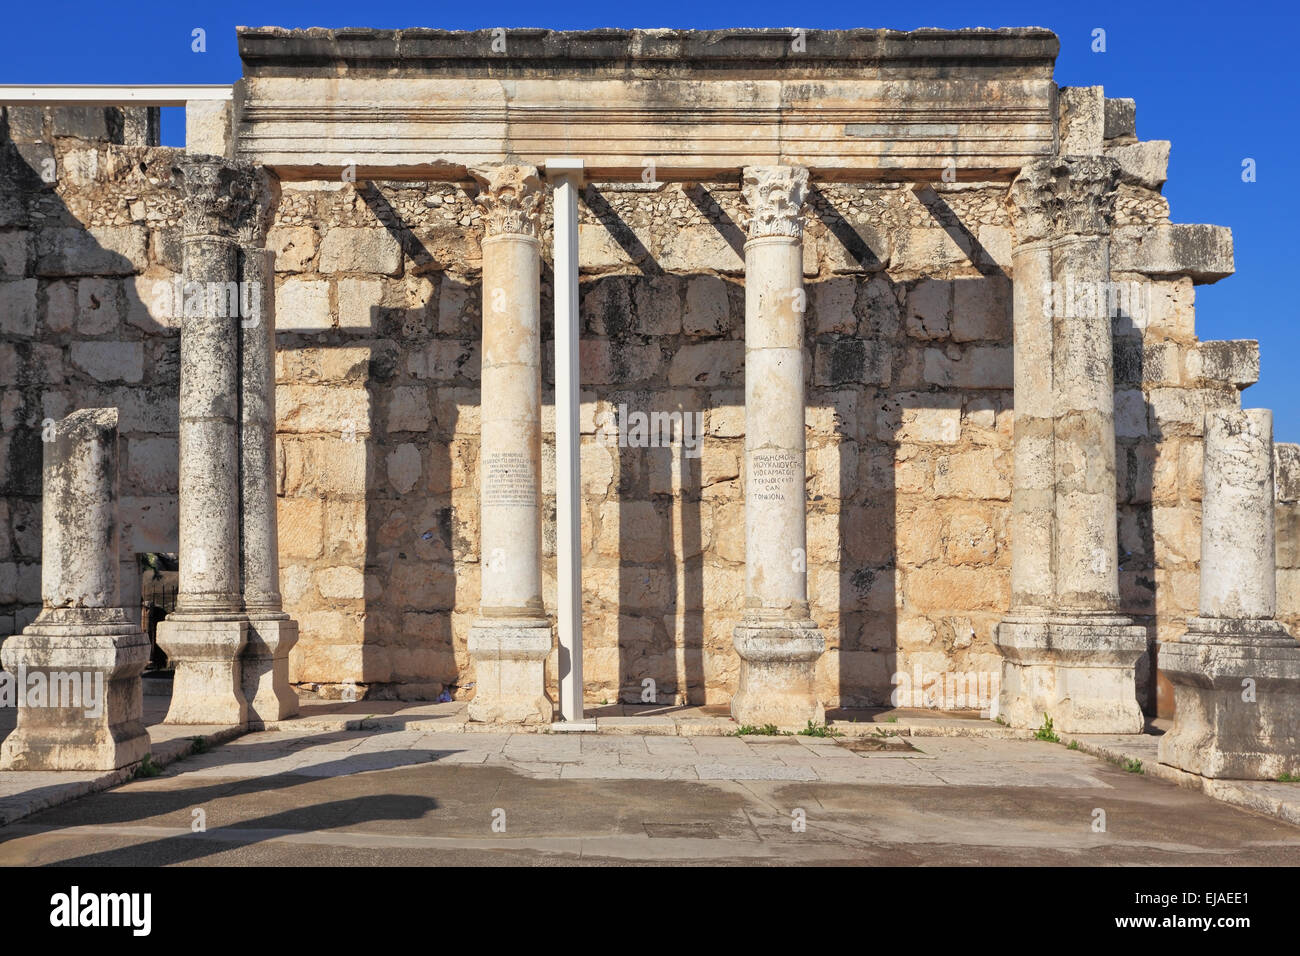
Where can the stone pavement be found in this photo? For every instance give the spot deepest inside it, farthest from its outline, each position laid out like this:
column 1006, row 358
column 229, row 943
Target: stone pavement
column 396, row 796
column 401, row 729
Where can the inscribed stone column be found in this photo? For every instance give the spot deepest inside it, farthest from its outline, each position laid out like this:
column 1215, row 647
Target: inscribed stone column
column 1236, row 672
column 77, row 666
column 1067, row 651
column 512, row 636
column 271, row 632
column 777, row 641
column 204, row 637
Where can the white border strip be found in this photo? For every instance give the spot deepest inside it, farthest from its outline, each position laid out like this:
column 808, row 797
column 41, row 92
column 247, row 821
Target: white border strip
column 73, row 95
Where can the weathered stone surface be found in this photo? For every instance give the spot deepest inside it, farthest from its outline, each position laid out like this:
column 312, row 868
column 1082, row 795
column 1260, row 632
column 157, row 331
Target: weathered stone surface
column 1143, row 164
column 99, row 250
column 1203, row 253
column 372, row 250
column 1120, row 119
column 83, row 643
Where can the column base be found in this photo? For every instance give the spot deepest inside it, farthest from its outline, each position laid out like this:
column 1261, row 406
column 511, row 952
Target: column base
column 92, row 652
column 1078, row 670
column 510, row 672
column 778, row 663
column 205, row 653
column 264, row 668
column 1216, row 732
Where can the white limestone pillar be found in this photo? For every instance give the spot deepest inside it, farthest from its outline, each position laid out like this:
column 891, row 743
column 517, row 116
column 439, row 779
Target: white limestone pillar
column 271, row 632
column 566, row 177
column 1068, row 652
column 84, row 648
column 1236, row 672
column 206, row 633
column 777, row 641
column 511, row 639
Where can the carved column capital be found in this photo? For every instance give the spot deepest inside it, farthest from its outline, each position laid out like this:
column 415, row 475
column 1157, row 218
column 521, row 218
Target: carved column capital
column 227, row 199
column 775, row 196
column 1063, row 196
column 511, row 199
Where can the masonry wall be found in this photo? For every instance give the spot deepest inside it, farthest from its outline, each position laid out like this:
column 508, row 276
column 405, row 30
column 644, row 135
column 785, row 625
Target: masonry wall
column 379, row 318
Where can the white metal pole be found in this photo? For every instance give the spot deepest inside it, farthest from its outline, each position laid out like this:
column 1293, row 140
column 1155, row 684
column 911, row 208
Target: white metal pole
column 567, row 176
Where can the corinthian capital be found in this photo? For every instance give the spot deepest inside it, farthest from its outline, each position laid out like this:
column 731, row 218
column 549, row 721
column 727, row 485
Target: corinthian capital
column 221, row 198
column 1063, row 196
column 775, row 197
column 511, row 199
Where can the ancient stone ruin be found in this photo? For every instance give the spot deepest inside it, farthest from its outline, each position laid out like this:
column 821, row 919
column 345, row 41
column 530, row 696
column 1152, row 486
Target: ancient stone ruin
column 880, row 387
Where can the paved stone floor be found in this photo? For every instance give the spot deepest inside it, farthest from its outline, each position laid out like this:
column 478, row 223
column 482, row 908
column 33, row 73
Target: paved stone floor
column 417, row 797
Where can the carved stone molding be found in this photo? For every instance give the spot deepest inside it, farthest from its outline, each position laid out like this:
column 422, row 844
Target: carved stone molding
column 1064, row 196
column 774, row 196
column 227, row 199
column 511, row 199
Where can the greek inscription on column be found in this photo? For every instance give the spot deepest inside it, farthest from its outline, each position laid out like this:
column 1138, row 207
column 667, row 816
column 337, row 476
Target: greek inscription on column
column 775, row 476
column 508, row 480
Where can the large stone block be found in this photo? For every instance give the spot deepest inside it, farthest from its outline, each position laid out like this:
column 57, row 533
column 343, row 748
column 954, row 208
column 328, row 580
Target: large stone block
column 1203, row 253
column 1236, row 700
column 1081, row 674
column 95, row 251
column 349, row 249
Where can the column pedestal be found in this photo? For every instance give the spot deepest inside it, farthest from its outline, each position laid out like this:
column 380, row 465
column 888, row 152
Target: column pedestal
column 510, row 672
column 264, row 665
column 1079, row 670
column 1219, row 731
column 208, row 683
column 103, row 649
column 778, row 664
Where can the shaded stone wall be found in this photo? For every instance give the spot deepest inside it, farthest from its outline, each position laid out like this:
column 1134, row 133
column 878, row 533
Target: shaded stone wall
column 79, row 259
column 379, row 316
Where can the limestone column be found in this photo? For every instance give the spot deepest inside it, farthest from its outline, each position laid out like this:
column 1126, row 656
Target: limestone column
column 78, row 665
column 271, row 632
column 777, row 641
column 206, row 633
column 1067, row 650
column 1236, row 672
column 512, row 636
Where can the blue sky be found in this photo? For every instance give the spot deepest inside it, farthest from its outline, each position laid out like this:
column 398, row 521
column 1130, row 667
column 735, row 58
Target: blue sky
column 1219, row 80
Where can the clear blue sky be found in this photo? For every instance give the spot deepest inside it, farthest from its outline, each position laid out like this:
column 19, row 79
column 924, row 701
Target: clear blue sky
column 1220, row 80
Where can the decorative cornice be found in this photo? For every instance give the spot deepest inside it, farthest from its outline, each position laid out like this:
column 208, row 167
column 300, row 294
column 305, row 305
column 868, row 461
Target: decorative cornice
column 1063, row 196
column 511, row 198
column 226, row 199
column 774, row 196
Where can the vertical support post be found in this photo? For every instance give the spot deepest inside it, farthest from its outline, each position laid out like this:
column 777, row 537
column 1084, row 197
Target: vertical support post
column 566, row 176
column 512, row 638
column 1067, row 650
column 777, row 641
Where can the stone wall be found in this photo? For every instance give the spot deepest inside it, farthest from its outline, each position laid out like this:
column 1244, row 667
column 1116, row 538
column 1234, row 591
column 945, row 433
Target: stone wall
column 379, row 317
column 79, row 256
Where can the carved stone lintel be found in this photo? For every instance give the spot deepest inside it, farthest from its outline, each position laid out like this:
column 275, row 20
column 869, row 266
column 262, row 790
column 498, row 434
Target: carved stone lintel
column 775, row 196
column 1063, row 196
column 227, row 199
column 511, row 198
